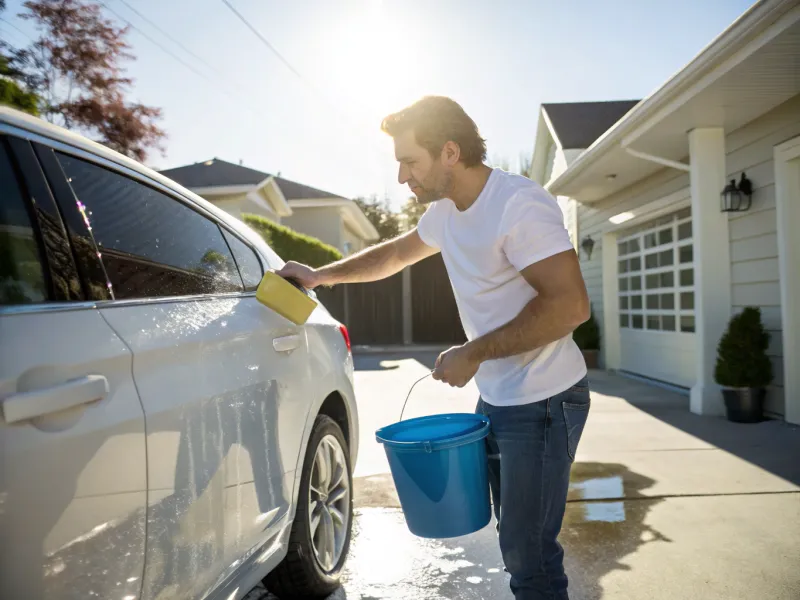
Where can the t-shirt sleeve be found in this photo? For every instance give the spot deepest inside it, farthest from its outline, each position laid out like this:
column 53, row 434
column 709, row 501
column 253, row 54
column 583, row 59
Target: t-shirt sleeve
column 534, row 229
column 429, row 226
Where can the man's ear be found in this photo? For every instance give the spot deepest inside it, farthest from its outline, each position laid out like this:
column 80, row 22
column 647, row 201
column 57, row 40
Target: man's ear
column 451, row 153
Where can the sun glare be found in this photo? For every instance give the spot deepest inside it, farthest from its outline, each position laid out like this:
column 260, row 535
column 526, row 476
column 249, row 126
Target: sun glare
column 371, row 60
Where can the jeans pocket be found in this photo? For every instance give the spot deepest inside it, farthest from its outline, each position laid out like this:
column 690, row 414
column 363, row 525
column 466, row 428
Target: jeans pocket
column 575, row 415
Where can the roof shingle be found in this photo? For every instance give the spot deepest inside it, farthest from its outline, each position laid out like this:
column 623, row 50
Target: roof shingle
column 578, row 124
column 217, row 173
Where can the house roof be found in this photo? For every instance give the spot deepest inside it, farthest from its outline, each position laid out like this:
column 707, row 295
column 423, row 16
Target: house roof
column 578, row 124
column 741, row 75
column 216, row 172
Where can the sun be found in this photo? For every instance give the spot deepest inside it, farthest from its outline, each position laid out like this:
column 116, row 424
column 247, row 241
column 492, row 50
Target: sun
column 372, row 59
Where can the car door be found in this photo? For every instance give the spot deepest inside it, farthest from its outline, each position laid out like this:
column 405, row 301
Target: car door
column 73, row 486
column 213, row 369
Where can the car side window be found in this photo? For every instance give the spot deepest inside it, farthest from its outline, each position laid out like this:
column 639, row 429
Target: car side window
column 249, row 265
column 151, row 244
column 22, row 275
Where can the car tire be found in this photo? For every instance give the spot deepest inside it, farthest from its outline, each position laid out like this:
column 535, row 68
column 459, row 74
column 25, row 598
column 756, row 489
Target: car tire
column 302, row 574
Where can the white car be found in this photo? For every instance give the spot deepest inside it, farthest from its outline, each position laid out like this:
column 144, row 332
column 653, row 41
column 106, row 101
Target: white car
column 163, row 434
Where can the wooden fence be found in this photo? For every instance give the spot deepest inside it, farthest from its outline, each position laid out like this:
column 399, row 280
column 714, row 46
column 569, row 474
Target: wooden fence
column 416, row 306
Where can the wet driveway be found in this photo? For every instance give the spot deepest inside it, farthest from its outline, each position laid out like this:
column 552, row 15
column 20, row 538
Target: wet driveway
column 662, row 504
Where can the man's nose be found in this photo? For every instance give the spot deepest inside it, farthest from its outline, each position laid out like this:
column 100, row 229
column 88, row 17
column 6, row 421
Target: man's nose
column 402, row 175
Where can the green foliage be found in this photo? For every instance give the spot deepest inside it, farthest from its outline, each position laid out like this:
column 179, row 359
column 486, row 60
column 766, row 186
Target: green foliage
column 587, row 335
column 291, row 245
column 11, row 93
column 411, row 213
column 742, row 359
column 14, row 96
column 381, row 216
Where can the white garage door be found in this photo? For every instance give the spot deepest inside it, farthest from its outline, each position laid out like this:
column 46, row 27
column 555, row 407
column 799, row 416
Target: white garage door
column 656, row 299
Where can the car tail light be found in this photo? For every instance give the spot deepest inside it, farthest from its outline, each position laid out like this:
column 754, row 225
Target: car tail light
column 346, row 336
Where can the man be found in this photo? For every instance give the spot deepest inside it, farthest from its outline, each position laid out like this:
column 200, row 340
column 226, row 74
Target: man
column 520, row 294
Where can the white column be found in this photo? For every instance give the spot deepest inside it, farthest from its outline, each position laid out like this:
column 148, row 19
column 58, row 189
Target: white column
column 787, row 185
column 612, row 346
column 712, row 263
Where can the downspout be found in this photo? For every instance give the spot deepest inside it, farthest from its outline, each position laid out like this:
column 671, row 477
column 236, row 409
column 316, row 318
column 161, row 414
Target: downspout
column 657, row 159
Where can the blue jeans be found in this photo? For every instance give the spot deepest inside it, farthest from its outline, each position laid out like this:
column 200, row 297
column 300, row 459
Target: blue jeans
column 531, row 449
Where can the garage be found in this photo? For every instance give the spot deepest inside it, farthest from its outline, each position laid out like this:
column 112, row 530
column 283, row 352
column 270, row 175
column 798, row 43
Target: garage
column 656, row 299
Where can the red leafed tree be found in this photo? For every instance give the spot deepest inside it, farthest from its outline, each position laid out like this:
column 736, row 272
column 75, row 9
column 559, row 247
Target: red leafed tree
column 75, row 68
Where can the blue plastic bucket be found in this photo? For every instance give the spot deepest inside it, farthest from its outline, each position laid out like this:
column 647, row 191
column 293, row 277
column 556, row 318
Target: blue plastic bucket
column 439, row 468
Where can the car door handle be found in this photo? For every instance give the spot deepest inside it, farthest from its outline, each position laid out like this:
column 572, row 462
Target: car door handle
column 286, row 343
column 36, row 403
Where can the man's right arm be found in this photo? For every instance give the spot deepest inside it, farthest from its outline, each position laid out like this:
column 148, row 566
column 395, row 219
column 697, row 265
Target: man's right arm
column 376, row 262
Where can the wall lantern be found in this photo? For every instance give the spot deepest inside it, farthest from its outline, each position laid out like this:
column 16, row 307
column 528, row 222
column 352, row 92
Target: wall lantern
column 588, row 245
column 737, row 198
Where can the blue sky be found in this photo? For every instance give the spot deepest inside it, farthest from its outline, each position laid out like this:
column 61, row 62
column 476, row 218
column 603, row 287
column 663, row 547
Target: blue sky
column 362, row 59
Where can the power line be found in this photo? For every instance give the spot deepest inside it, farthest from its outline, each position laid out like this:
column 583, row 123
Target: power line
column 4, row 20
column 265, row 41
column 201, row 74
column 158, row 44
column 170, row 37
column 297, row 73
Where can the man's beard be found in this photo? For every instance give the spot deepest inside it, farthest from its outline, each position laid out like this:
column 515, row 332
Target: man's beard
column 427, row 195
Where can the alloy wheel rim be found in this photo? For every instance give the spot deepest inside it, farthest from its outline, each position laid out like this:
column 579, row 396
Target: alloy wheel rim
column 329, row 503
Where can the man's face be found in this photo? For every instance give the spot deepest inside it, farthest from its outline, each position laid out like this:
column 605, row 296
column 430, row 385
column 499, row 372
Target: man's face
column 428, row 177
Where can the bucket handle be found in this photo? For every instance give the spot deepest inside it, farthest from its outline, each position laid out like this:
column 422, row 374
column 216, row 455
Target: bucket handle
column 411, row 390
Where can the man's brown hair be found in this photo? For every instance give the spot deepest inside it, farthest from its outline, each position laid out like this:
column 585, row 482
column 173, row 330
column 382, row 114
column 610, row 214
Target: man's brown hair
column 436, row 120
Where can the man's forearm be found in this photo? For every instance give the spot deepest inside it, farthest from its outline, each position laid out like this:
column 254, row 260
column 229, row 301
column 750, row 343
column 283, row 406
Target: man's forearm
column 374, row 263
column 541, row 322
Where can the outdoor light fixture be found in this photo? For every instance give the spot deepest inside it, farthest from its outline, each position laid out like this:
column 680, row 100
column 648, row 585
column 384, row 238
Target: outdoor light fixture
column 621, row 218
column 588, row 245
column 737, row 198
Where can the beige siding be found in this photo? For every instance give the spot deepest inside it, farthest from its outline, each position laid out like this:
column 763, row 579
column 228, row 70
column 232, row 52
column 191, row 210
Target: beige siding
column 236, row 204
column 322, row 223
column 233, row 205
column 754, row 243
column 593, row 218
column 351, row 237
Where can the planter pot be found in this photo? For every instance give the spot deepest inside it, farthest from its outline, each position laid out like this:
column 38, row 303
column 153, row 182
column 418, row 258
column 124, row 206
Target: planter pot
column 744, row 405
column 592, row 358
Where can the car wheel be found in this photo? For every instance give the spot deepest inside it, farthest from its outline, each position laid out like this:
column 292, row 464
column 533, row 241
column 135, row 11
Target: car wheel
column 320, row 537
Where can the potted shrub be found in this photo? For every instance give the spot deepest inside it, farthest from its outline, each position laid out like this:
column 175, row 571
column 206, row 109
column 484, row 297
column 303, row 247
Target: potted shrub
column 587, row 337
column 743, row 368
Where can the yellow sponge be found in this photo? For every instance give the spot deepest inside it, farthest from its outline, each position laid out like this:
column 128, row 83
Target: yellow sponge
column 285, row 299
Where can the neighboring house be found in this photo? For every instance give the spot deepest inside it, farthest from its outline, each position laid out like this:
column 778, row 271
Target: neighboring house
column 669, row 267
column 237, row 189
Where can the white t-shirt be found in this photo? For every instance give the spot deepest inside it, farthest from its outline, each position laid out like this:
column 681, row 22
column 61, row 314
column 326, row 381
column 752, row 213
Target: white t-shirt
column 513, row 223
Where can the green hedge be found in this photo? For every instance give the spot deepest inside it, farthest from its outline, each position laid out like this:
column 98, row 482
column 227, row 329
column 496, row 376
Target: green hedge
column 291, row 245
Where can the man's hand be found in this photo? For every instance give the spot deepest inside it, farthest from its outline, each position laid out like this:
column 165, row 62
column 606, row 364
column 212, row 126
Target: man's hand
column 456, row 366
column 306, row 276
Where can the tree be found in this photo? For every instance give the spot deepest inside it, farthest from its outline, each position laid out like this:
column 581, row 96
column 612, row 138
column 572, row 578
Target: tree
column 411, row 213
column 525, row 164
column 74, row 68
column 381, row 216
column 11, row 92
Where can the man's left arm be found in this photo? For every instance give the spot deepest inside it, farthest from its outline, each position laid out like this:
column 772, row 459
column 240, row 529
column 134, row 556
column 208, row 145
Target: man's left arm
column 561, row 304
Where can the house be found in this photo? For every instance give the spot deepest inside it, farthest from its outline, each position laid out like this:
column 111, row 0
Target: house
column 665, row 260
column 238, row 189
column 564, row 131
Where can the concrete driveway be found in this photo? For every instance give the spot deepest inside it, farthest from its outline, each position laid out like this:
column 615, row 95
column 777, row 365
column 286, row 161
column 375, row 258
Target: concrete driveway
column 663, row 503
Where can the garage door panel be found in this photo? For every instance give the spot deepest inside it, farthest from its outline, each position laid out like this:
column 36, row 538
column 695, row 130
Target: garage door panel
column 663, row 356
column 656, row 299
